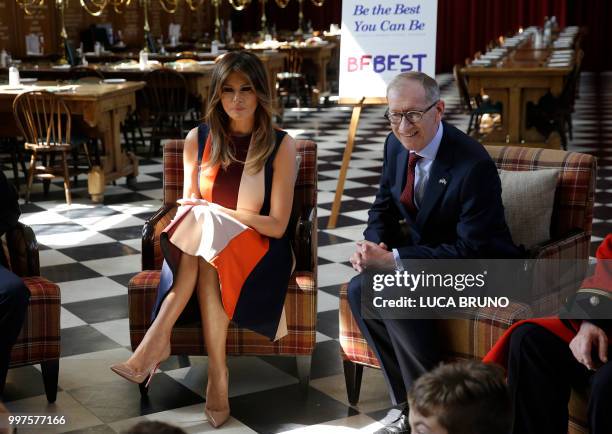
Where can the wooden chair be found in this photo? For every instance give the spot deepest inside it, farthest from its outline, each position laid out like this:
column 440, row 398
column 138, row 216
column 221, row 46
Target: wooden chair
column 86, row 74
column 472, row 338
column 12, row 147
column 292, row 82
column 39, row 338
column 167, row 98
column 45, row 122
column 553, row 113
column 476, row 107
column 301, row 300
column 187, row 54
column 186, row 62
column 81, row 132
column 492, row 44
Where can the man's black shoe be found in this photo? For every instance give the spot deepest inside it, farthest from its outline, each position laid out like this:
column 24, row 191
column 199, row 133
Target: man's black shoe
column 398, row 426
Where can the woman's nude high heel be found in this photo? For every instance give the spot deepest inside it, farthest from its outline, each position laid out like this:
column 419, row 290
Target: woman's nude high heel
column 216, row 417
column 129, row 374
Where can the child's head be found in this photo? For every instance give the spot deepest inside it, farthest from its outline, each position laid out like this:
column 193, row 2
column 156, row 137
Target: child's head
column 461, row 398
column 154, row 427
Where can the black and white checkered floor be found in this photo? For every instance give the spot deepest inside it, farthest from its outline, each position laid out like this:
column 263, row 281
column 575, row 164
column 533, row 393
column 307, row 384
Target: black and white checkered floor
column 93, row 250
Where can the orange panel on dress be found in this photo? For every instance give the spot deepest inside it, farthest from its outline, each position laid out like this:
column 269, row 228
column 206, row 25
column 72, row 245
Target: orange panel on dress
column 234, row 266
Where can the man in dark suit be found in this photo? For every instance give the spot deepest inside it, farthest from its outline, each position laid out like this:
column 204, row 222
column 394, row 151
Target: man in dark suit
column 14, row 295
column 439, row 197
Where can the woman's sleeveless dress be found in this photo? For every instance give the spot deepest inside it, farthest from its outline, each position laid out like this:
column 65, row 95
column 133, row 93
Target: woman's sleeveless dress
column 253, row 269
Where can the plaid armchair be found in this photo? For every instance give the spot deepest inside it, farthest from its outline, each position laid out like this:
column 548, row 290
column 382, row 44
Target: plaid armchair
column 301, row 301
column 39, row 339
column 472, row 338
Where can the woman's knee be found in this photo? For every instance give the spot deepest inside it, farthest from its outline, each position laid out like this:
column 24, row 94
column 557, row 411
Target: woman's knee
column 207, row 275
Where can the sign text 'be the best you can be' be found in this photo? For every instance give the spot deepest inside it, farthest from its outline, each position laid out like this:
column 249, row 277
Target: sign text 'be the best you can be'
column 380, row 39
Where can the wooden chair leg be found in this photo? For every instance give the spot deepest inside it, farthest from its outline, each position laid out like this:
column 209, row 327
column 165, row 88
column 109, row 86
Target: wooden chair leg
column 50, row 370
column 303, row 369
column 15, row 166
column 353, row 373
column 66, row 179
column 49, row 166
column 75, row 166
column 470, row 124
column 141, row 138
column 31, row 171
column 96, row 161
column 126, row 138
column 22, row 157
column 86, row 150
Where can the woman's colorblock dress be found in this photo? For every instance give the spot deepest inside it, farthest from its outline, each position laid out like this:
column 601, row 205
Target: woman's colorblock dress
column 253, row 269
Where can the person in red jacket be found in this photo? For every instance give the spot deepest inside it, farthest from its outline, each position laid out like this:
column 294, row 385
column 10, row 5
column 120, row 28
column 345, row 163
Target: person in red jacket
column 545, row 357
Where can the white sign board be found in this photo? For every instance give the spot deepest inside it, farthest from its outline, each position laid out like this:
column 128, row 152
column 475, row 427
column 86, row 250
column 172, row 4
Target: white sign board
column 380, row 39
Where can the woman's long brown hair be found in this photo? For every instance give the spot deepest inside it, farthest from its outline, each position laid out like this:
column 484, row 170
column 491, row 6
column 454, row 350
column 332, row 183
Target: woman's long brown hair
column 263, row 137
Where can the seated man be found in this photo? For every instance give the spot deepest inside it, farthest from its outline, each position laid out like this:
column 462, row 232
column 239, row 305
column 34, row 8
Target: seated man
column 439, row 197
column 461, row 398
column 14, row 295
column 545, row 357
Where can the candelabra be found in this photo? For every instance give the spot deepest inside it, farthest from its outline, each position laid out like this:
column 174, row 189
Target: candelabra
column 215, row 4
column 263, row 19
column 299, row 30
column 95, row 8
column 28, row 5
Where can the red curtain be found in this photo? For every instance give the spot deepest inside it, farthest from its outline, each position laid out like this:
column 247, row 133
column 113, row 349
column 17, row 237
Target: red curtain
column 286, row 18
column 596, row 17
column 466, row 26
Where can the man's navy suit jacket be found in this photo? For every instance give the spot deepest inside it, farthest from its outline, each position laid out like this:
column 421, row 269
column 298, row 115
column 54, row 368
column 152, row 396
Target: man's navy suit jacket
column 461, row 213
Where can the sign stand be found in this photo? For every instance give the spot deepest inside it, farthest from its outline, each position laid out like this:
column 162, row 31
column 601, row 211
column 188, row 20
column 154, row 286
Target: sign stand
column 358, row 105
column 367, row 66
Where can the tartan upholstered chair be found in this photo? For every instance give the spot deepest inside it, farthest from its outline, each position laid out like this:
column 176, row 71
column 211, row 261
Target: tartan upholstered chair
column 39, row 339
column 472, row 338
column 301, row 301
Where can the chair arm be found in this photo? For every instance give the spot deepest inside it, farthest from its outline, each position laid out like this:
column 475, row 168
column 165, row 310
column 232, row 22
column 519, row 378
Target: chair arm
column 472, row 336
column 150, row 238
column 555, row 270
column 575, row 245
column 303, row 241
column 23, row 251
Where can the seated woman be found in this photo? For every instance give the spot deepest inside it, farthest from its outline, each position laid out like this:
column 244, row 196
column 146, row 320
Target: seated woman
column 545, row 357
column 227, row 242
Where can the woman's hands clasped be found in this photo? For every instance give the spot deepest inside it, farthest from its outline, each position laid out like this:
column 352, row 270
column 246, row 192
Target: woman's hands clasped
column 193, row 200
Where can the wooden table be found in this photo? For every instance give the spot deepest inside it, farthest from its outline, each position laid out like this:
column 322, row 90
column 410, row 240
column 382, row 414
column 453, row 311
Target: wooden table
column 198, row 76
column 274, row 63
column 518, row 79
column 101, row 106
column 320, row 55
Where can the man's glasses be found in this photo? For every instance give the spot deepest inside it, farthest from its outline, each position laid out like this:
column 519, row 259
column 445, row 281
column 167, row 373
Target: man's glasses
column 413, row 116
